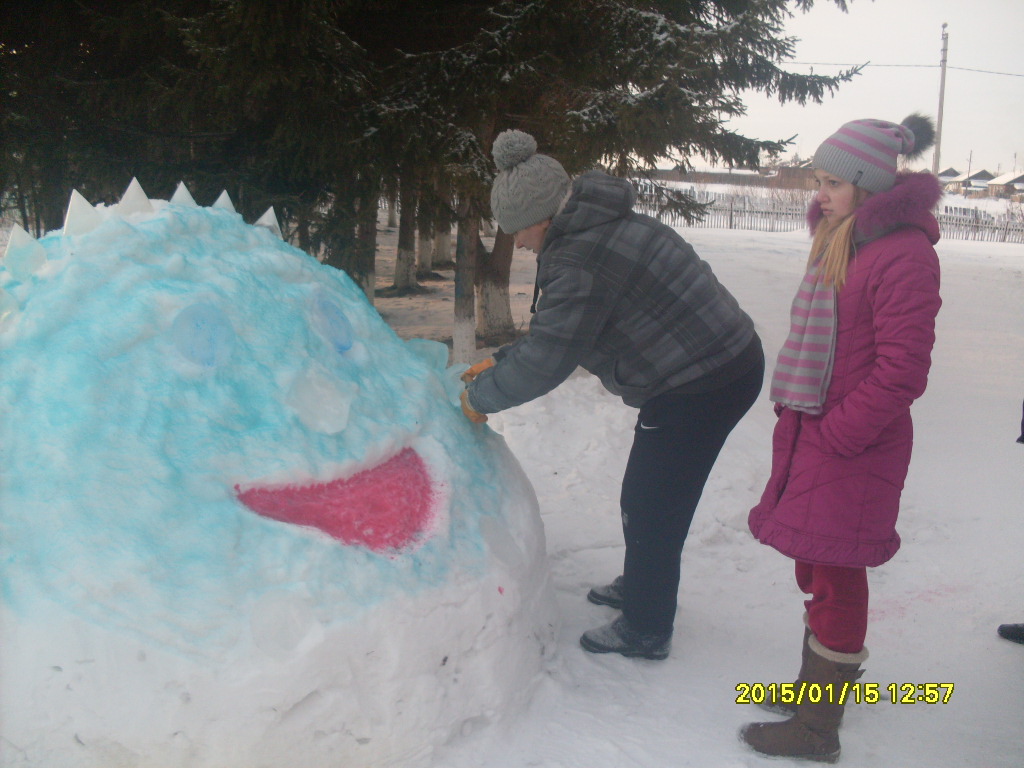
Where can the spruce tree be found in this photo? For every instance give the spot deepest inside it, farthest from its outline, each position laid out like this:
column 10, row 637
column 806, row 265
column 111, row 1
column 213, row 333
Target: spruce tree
column 315, row 106
column 606, row 83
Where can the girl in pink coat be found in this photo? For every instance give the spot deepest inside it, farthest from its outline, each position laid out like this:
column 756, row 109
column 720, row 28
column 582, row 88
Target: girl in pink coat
column 857, row 356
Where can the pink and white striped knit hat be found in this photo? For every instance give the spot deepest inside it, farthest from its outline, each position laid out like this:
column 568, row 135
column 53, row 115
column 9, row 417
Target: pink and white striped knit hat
column 864, row 152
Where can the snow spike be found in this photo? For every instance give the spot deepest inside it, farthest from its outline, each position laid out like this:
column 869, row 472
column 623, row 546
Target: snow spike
column 81, row 217
column 134, row 200
column 269, row 220
column 224, row 202
column 23, row 255
column 182, row 196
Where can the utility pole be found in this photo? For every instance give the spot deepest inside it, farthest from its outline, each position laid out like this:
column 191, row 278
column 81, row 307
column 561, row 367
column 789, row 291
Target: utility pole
column 942, row 99
column 967, row 179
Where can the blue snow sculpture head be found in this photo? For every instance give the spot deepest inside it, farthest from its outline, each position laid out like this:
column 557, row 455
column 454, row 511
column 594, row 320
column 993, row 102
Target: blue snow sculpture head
column 186, row 396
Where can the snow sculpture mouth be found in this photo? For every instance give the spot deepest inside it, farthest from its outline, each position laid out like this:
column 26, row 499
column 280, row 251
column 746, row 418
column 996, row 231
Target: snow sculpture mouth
column 388, row 507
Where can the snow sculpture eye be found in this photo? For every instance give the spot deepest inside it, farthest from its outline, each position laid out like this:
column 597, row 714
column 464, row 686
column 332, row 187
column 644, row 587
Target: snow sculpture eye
column 330, row 321
column 321, row 402
column 203, row 334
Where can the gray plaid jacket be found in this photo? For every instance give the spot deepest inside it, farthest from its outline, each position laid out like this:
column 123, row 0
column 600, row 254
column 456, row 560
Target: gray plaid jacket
column 624, row 297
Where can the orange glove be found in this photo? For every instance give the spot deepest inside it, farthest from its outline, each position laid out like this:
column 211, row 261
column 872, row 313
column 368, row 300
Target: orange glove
column 467, row 409
column 475, row 370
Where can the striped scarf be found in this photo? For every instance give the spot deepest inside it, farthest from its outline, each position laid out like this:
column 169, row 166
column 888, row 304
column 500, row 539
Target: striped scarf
column 804, row 368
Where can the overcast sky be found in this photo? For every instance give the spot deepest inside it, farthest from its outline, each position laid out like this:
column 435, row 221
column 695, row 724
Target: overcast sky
column 983, row 118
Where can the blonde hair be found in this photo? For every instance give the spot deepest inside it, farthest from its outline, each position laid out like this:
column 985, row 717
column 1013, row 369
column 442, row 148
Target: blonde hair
column 833, row 248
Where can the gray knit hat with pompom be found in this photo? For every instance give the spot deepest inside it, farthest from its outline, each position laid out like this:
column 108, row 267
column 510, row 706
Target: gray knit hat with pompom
column 864, row 152
column 529, row 188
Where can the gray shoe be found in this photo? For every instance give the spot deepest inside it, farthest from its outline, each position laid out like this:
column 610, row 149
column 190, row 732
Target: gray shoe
column 619, row 637
column 610, row 594
column 1014, row 632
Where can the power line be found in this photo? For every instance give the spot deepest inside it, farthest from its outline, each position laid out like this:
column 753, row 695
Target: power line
column 925, row 66
column 987, row 71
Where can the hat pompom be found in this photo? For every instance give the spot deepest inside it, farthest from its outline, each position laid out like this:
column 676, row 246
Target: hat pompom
column 924, row 134
column 513, row 147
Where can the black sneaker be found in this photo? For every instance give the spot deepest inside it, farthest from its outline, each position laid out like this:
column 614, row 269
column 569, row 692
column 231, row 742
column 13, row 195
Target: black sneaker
column 1014, row 632
column 619, row 637
column 610, row 594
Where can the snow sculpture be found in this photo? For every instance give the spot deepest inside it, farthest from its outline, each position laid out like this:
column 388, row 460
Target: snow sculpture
column 8, row 306
column 134, row 200
column 182, row 196
column 23, row 255
column 330, row 322
column 243, row 523
column 269, row 220
column 384, row 508
column 81, row 217
column 224, row 202
column 203, row 334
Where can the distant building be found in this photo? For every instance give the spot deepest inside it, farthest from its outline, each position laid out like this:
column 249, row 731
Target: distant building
column 795, row 177
column 1007, row 185
column 948, row 175
column 781, row 177
column 970, row 184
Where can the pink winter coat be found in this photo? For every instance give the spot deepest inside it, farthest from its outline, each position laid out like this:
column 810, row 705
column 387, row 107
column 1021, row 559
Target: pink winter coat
column 834, row 491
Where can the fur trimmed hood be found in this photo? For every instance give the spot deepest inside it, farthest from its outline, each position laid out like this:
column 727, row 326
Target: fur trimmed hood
column 908, row 204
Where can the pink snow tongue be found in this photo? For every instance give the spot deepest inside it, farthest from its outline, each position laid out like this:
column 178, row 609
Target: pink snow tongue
column 383, row 508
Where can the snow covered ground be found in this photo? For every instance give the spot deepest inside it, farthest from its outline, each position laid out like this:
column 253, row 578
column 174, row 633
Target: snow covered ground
column 935, row 606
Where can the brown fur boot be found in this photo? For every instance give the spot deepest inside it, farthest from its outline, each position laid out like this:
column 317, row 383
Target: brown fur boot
column 813, row 732
column 775, row 705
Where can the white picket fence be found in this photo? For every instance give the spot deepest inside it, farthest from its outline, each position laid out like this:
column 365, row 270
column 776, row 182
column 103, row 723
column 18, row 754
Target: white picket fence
column 998, row 229
column 764, row 214
column 734, row 212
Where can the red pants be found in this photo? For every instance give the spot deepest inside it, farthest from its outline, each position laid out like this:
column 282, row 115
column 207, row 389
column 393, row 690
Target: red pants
column 837, row 612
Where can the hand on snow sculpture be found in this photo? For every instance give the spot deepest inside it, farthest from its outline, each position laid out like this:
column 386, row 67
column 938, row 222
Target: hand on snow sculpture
column 471, row 413
column 475, row 370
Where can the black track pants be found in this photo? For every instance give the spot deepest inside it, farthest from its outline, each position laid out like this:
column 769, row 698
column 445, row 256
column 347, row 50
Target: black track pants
column 677, row 441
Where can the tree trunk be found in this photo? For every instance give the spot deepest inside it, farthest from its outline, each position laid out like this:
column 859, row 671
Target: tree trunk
column 425, row 254
column 52, row 199
column 442, row 257
column 464, row 329
column 425, row 237
column 300, row 235
column 336, row 236
column 26, row 223
column 366, row 234
column 405, row 259
column 392, row 210
column 495, row 325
